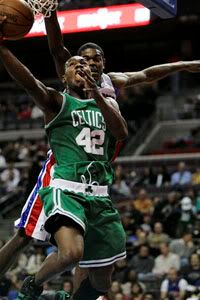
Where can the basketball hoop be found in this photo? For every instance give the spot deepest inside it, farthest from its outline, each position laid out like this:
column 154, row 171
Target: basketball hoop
column 44, row 7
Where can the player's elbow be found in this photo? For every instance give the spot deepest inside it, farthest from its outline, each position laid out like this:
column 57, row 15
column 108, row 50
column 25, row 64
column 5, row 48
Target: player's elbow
column 122, row 133
column 59, row 53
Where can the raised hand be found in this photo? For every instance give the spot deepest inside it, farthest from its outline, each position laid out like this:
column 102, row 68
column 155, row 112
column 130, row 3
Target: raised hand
column 90, row 83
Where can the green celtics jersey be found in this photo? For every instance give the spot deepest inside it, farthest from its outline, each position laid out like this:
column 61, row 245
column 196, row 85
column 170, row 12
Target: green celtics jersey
column 81, row 142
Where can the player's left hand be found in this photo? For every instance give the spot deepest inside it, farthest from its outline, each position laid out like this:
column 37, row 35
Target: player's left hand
column 90, row 83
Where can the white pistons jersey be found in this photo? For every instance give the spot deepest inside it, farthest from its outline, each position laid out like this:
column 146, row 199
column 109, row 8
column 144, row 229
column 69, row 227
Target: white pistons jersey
column 107, row 89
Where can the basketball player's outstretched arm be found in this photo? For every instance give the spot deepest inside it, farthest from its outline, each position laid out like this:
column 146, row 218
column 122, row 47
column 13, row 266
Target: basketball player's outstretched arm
column 109, row 109
column 152, row 74
column 57, row 49
column 47, row 99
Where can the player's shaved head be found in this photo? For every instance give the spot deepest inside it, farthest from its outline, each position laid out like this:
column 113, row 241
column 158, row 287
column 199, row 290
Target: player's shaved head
column 73, row 58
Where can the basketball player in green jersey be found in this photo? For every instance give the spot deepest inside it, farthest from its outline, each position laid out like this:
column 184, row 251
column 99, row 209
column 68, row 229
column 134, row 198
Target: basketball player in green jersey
column 79, row 125
column 95, row 57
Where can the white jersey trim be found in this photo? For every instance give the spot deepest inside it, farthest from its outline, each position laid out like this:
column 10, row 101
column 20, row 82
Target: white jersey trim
column 101, row 262
column 62, row 107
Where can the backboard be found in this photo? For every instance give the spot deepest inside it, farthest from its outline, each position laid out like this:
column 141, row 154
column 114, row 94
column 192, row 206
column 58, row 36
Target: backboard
column 163, row 8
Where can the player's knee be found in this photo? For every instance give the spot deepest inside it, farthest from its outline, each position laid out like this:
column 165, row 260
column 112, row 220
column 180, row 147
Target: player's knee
column 70, row 258
column 100, row 278
column 77, row 254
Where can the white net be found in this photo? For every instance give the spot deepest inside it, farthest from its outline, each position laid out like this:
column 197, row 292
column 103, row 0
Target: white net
column 44, row 7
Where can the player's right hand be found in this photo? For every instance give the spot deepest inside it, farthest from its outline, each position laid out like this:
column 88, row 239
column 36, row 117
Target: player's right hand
column 2, row 20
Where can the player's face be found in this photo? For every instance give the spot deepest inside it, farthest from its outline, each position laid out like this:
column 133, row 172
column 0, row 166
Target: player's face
column 96, row 62
column 74, row 71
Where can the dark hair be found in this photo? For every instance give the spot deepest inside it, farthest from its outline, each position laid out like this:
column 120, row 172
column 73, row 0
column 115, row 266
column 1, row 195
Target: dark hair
column 90, row 45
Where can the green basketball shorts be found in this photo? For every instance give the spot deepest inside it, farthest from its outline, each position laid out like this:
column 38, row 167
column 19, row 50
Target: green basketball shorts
column 104, row 236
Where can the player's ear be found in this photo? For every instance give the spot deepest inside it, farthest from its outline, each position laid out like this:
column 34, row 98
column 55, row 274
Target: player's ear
column 64, row 80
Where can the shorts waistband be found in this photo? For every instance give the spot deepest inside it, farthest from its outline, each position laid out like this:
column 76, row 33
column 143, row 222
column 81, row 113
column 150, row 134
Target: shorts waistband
column 77, row 187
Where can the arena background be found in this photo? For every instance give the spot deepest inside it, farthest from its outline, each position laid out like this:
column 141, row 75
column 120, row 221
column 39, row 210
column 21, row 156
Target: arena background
column 164, row 130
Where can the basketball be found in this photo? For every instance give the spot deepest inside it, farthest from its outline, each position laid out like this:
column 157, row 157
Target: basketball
column 19, row 18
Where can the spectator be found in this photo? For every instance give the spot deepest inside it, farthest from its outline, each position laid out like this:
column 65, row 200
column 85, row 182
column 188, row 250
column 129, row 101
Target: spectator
column 136, row 217
column 183, row 247
column 187, row 217
column 173, row 287
column 23, row 151
column 181, row 176
column 131, row 279
column 191, row 272
column 35, row 261
column 196, row 177
column 170, row 213
column 142, row 263
column 197, row 203
column 68, row 286
column 120, row 186
column 157, row 237
column 140, row 238
column 25, row 112
column 20, row 268
column 2, row 160
column 163, row 177
column 165, row 261
column 10, row 178
column 48, row 291
column 143, row 203
column 115, row 289
column 128, row 224
column 10, row 152
column 146, row 225
column 136, row 291
column 147, row 178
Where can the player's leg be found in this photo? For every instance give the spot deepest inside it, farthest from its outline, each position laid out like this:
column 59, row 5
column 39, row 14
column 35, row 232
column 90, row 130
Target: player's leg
column 66, row 222
column 104, row 244
column 10, row 251
column 96, row 284
column 79, row 275
column 70, row 250
column 69, row 241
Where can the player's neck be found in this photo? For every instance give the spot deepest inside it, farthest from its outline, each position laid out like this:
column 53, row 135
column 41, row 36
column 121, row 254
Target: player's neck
column 78, row 93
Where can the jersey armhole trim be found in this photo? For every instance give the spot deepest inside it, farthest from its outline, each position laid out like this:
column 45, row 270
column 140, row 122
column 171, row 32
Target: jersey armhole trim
column 55, row 118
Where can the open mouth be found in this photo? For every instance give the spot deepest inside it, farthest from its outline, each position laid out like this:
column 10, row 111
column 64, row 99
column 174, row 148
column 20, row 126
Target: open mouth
column 81, row 73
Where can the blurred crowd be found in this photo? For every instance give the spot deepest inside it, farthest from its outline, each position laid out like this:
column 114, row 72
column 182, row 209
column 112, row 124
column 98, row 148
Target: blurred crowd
column 30, row 153
column 17, row 111
column 191, row 107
